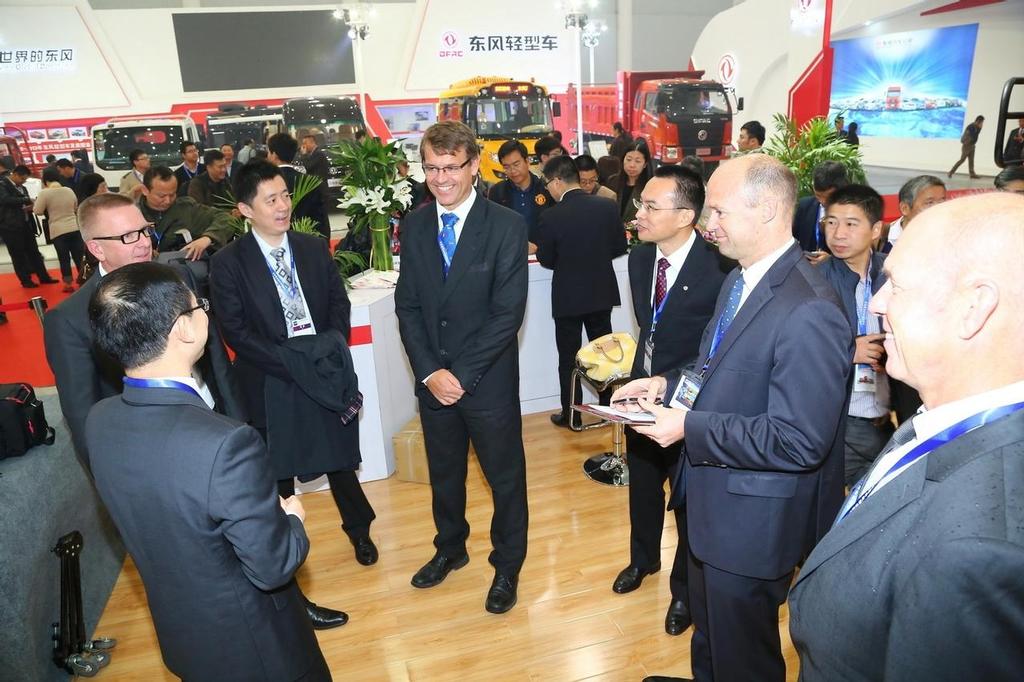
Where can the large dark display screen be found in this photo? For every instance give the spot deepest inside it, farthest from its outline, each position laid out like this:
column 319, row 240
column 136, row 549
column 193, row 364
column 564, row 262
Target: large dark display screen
column 246, row 50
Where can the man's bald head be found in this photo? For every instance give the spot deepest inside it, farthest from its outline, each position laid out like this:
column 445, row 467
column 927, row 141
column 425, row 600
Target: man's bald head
column 954, row 305
column 750, row 202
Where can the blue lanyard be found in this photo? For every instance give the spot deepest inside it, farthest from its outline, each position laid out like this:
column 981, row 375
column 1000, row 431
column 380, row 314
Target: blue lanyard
column 933, row 443
column 862, row 305
column 657, row 314
column 291, row 290
column 717, row 339
column 160, row 383
column 817, row 229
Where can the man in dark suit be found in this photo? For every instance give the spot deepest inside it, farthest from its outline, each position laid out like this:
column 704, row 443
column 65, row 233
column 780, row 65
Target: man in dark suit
column 190, row 167
column 578, row 238
column 18, row 229
column 827, row 177
column 674, row 277
column 270, row 287
column 761, row 414
column 281, row 151
column 188, row 488
column 229, row 157
column 316, row 163
column 460, row 302
column 919, row 578
column 116, row 233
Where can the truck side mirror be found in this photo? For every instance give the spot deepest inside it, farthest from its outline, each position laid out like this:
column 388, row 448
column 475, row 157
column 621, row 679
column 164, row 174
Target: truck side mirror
column 556, row 109
column 739, row 104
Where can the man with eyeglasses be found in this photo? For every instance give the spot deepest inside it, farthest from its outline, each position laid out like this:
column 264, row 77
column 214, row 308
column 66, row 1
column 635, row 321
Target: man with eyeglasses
column 590, row 181
column 460, row 302
column 578, row 239
column 131, row 182
column 674, row 278
column 192, row 495
column 521, row 190
column 116, row 233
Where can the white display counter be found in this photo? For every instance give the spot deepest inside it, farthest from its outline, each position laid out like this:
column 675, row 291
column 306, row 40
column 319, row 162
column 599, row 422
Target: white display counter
column 386, row 379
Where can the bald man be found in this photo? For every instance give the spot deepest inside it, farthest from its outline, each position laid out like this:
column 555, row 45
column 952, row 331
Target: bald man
column 761, row 413
column 920, row 578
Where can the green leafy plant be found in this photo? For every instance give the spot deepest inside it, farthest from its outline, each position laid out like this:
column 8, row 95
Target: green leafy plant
column 372, row 192
column 802, row 148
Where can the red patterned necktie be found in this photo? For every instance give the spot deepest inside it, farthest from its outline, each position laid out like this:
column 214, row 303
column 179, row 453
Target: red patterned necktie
column 661, row 283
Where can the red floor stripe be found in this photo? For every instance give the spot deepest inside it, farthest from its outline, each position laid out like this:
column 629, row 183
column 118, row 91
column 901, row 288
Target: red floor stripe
column 22, row 357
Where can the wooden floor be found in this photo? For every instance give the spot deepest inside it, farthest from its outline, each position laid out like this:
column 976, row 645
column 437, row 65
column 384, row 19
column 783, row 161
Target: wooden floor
column 568, row 624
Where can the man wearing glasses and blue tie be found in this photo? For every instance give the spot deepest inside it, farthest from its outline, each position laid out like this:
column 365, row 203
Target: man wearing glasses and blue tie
column 116, row 233
column 460, row 302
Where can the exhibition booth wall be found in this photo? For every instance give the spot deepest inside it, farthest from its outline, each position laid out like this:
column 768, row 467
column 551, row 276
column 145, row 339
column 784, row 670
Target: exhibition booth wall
column 906, row 72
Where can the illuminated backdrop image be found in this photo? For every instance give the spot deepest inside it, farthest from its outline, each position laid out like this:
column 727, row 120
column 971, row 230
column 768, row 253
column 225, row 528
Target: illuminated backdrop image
column 911, row 84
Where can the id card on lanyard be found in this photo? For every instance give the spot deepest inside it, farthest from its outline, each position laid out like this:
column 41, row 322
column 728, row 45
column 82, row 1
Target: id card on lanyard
column 649, row 343
column 865, row 379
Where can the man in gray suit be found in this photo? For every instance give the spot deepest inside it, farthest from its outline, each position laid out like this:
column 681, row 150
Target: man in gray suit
column 920, row 578
column 191, row 489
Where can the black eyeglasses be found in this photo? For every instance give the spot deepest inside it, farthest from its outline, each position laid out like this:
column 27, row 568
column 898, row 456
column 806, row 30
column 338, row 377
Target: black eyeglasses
column 201, row 303
column 130, row 237
column 445, row 170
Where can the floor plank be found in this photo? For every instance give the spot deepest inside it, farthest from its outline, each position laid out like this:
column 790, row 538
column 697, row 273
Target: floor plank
column 568, row 624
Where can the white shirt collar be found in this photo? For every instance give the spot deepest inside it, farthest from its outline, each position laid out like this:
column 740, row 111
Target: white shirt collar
column 756, row 272
column 678, row 257
column 930, row 422
column 462, row 211
column 267, row 248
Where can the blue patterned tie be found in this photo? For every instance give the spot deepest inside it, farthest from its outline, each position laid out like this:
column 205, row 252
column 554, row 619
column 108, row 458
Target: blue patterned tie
column 731, row 306
column 446, row 240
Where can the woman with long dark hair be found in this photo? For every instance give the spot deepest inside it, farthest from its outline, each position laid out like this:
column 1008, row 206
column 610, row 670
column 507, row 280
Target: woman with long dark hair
column 630, row 181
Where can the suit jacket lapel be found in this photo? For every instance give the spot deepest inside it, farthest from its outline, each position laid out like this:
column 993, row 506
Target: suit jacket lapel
column 762, row 293
column 307, row 268
column 425, row 242
column 645, row 286
column 264, row 292
column 472, row 238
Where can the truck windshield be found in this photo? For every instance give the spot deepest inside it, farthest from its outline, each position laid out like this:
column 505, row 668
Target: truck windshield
column 687, row 101
column 504, row 117
column 236, row 132
column 328, row 119
column 113, row 145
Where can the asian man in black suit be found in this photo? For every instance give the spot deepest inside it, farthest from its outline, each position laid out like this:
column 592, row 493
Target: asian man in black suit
column 271, row 286
column 675, row 277
column 827, row 177
column 760, row 419
column 116, row 234
column 460, row 302
column 192, row 494
column 578, row 238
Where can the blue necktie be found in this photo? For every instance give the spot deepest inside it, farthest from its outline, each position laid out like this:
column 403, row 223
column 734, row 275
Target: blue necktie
column 728, row 313
column 446, row 240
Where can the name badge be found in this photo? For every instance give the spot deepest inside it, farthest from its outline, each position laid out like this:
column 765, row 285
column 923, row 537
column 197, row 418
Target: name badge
column 648, row 355
column 687, row 391
column 864, row 379
column 303, row 327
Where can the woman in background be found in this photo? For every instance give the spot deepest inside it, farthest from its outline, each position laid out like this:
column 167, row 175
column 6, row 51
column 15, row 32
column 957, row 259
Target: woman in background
column 627, row 184
column 58, row 204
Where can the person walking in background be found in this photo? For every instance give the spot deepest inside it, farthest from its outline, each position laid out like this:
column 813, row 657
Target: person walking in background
column 968, row 141
column 59, row 203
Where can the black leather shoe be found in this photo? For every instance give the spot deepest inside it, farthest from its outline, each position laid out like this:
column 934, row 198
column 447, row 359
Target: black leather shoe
column 630, row 578
column 662, row 678
column 677, row 619
column 29, row 285
column 366, row 551
column 324, row 618
column 561, row 420
column 437, row 569
column 49, row 280
column 503, row 593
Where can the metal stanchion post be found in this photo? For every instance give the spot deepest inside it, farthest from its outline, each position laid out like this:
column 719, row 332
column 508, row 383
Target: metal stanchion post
column 38, row 305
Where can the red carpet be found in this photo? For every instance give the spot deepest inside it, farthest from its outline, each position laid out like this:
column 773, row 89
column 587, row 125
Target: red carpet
column 22, row 357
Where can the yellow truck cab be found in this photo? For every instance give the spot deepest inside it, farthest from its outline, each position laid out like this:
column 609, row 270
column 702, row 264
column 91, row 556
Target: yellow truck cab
column 498, row 109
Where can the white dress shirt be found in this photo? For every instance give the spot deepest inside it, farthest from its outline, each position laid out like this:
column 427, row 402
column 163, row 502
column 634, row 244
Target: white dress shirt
column 266, row 248
column 930, row 422
column 756, row 272
column 675, row 265
column 462, row 211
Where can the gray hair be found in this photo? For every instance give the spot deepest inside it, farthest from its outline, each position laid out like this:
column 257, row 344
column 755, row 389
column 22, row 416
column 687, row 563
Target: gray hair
column 914, row 186
column 767, row 176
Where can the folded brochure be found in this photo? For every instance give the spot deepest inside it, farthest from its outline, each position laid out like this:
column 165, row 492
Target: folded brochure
column 613, row 415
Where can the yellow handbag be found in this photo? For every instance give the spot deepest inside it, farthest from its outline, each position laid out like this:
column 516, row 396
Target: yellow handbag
column 608, row 358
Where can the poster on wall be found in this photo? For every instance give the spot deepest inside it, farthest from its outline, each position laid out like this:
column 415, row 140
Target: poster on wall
column 912, row 84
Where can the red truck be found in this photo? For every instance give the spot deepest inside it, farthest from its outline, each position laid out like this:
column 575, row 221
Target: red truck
column 677, row 112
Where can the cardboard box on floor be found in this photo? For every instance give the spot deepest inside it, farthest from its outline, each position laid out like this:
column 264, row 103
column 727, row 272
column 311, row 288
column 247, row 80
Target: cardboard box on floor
column 411, row 455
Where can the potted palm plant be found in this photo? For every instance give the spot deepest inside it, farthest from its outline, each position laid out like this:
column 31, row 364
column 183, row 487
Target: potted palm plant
column 802, row 148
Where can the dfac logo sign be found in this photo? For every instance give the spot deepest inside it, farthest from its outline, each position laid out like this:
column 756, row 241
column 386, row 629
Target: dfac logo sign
column 450, row 45
column 727, row 69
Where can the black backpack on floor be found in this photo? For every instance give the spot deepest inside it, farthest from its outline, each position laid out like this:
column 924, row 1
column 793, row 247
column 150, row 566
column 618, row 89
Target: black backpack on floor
column 22, row 420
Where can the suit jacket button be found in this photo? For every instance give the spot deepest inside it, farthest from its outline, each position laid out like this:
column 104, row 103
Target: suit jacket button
column 444, row 353
column 444, row 323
